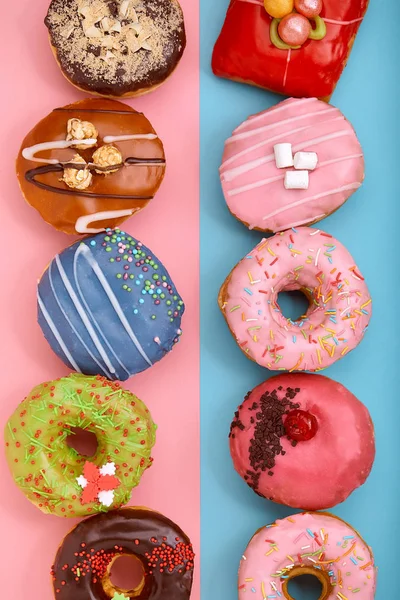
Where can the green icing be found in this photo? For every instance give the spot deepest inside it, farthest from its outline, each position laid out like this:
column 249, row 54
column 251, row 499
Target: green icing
column 319, row 32
column 118, row 596
column 46, row 468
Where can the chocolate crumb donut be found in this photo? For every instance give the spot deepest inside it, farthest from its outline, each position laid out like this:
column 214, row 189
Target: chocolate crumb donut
column 84, row 560
column 90, row 165
column 116, row 47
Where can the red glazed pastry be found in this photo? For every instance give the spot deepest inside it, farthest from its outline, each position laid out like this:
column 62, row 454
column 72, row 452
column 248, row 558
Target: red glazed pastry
column 302, row 440
column 262, row 43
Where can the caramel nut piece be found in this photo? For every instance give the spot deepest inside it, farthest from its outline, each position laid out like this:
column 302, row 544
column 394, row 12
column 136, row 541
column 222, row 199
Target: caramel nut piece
column 107, row 156
column 81, row 130
column 79, row 179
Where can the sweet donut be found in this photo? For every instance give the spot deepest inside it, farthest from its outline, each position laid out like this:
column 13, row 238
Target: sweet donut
column 293, row 164
column 107, row 305
column 64, row 480
column 85, row 559
column 285, row 433
column 317, row 544
column 116, row 47
column 295, row 48
column 90, row 165
column 299, row 259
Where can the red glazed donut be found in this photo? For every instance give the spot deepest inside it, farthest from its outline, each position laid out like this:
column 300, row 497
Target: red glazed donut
column 249, row 49
column 302, row 440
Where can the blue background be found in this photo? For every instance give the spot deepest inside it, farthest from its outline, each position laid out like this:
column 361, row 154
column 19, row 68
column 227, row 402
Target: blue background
column 368, row 95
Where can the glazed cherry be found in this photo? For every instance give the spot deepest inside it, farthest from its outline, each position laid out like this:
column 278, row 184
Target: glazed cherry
column 308, row 8
column 300, row 425
column 294, row 29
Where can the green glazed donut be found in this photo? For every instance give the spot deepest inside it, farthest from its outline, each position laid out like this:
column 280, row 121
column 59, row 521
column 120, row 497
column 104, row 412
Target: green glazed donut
column 51, row 473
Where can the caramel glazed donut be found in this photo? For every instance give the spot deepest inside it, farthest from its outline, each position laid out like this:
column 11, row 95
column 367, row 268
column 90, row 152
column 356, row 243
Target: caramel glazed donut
column 90, row 165
column 84, row 560
column 116, row 47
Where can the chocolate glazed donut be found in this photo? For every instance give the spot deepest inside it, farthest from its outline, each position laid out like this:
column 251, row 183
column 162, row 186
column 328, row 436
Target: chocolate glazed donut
column 116, row 48
column 83, row 562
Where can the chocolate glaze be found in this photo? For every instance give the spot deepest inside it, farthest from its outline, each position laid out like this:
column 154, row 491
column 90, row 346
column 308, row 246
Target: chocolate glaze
column 93, row 110
column 138, row 532
column 32, row 173
column 76, row 72
column 131, row 187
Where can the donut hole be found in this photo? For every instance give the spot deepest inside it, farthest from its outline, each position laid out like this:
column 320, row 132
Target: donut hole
column 84, row 442
column 305, row 587
column 293, row 304
column 126, row 575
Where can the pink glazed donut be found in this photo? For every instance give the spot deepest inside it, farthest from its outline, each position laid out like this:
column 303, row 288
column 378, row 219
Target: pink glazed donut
column 299, row 259
column 254, row 186
column 302, row 440
column 316, row 544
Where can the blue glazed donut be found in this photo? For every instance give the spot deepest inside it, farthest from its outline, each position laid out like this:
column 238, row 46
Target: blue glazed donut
column 107, row 306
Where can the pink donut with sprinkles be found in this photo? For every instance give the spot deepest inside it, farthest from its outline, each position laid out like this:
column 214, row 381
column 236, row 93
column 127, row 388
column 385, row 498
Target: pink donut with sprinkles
column 317, row 544
column 303, row 259
column 291, row 165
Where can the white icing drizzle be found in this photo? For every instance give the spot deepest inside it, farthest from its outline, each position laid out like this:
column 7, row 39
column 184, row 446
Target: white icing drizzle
column 68, row 320
column 289, row 56
column 344, row 188
column 256, row 184
column 87, row 254
column 331, row 21
column 29, row 153
column 109, row 139
column 92, row 317
column 257, row 2
column 251, row 132
column 334, row 22
column 263, row 182
column 281, row 137
column 285, row 104
column 82, row 223
column 231, row 174
column 79, row 308
column 57, row 334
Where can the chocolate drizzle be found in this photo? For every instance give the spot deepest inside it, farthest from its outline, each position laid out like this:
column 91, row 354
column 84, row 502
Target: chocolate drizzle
column 98, row 110
column 138, row 161
column 131, row 161
column 31, row 175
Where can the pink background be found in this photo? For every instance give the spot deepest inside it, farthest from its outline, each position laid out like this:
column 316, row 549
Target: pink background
column 32, row 87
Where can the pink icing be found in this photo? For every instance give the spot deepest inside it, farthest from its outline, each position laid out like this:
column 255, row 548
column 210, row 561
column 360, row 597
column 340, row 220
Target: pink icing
column 300, row 477
column 306, row 259
column 253, row 185
column 313, row 540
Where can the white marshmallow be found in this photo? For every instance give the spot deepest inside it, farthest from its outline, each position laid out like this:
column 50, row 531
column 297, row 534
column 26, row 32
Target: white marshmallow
column 283, row 155
column 305, row 160
column 296, row 180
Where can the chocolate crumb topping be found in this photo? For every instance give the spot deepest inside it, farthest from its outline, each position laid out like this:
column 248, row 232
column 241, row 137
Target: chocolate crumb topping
column 118, row 46
column 265, row 445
